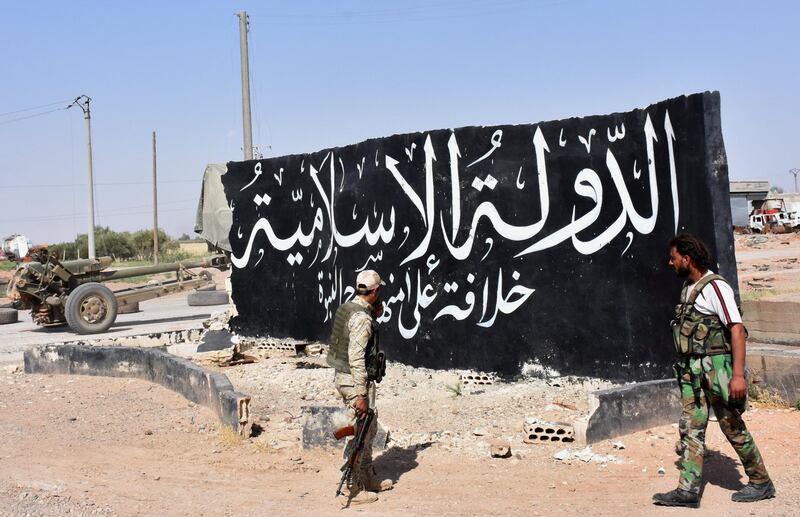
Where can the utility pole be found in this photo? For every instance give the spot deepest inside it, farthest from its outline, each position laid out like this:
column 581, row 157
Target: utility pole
column 155, row 204
column 248, row 128
column 794, row 173
column 83, row 102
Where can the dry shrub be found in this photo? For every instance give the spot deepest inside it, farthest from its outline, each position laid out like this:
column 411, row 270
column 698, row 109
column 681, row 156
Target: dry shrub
column 229, row 437
column 262, row 446
column 766, row 398
column 455, row 389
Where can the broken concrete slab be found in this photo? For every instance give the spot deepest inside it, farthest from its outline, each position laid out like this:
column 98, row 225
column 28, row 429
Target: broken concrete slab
column 211, row 389
column 627, row 409
column 215, row 340
column 319, row 423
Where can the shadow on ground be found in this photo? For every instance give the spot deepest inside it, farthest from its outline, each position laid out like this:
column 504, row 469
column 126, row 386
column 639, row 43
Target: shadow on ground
column 396, row 461
column 159, row 320
column 719, row 470
column 722, row 471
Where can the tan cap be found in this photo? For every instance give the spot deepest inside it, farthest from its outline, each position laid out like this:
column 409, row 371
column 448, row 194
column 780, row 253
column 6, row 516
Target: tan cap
column 368, row 280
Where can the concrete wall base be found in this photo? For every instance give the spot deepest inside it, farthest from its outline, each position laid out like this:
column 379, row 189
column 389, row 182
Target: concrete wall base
column 618, row 411
column 776, row 368
column 211, row 389
column 772, row 322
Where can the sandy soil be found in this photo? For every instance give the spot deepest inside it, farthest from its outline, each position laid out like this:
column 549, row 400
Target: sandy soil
column 85, row 445
column 769, row 266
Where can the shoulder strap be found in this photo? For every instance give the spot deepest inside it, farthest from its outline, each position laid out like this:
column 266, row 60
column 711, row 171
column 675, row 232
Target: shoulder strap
column 700, row 285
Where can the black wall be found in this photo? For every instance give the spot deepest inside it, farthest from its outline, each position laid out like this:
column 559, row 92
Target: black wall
column 501, row 246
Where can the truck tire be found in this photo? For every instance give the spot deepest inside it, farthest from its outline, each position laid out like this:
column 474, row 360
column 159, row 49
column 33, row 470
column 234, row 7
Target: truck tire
column 91, row 308
column 202, row 298
column 8, row 316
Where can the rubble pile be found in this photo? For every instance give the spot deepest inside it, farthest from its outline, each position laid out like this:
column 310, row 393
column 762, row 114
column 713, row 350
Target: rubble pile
column 420, row 407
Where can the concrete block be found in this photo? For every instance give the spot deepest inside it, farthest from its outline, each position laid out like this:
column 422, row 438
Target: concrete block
column 500, row 449
column 319, row 423
column 538, row 431
column 627, row 409
column 211, row 389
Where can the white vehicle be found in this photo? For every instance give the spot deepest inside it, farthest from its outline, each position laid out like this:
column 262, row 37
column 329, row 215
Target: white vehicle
column 767, row 220
column 16, row 247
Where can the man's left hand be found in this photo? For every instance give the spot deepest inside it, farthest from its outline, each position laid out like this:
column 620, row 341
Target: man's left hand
column 738, row 387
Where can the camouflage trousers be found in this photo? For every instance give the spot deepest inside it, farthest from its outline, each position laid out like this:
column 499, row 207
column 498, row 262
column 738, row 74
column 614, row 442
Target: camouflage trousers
column 704, row 382
column 363, row 464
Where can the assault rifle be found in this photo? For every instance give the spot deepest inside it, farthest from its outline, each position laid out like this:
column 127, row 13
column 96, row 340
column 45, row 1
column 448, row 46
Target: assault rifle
column 363, row 425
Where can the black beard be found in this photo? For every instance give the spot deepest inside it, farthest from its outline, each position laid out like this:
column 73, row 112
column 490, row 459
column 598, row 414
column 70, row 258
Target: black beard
column 682, row 273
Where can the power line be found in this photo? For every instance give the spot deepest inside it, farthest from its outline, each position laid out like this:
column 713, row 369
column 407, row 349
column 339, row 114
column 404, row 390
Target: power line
column 427, row 12
column 34, row 108
column 3, row 123
column 104, row 184
column 112, row 213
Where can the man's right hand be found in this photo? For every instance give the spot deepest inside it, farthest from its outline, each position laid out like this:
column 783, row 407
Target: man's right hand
column 361, row 405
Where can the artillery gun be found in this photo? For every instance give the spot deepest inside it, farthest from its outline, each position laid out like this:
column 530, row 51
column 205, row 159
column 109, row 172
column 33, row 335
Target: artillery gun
column 71, row 292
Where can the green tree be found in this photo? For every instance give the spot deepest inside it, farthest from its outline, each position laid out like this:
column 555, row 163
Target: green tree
column 142, row 242
column 116, row 244
column 121, row 245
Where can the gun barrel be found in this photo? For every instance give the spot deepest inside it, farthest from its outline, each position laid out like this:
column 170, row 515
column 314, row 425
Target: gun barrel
column 218, row 261
column 77, row 267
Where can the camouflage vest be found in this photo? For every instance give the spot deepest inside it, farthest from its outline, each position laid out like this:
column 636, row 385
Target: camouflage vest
column 695, row 333
column 338, row 355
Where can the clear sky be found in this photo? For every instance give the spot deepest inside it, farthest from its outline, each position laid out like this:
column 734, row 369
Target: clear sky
column 334, row 73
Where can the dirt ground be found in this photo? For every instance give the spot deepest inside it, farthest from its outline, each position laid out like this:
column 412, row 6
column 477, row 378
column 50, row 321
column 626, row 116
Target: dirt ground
column 769, row 266
column 98, row 446
column 87, row 446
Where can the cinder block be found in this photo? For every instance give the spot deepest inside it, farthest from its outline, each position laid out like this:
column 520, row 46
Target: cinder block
column 540, row 432
column 476, row 379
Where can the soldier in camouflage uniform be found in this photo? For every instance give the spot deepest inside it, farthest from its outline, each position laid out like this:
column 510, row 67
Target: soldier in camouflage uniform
column 353, row 353
column 710, row 340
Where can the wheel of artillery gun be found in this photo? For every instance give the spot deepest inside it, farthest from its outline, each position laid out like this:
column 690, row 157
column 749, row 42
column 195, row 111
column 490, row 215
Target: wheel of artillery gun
column 91, row 308
column 8, row 316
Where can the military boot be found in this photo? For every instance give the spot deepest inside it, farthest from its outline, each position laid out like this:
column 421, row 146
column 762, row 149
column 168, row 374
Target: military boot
column 372, row 483
column 355, row 496
column 677, row 497
column 753, row 492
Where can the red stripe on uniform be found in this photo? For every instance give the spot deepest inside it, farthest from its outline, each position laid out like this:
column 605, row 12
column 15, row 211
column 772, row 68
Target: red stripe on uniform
column 721, row 300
